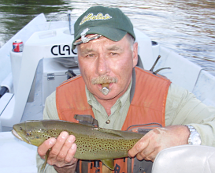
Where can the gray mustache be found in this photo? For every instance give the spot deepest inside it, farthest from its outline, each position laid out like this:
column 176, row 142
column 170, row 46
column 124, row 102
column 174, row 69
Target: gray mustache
column 103, row 79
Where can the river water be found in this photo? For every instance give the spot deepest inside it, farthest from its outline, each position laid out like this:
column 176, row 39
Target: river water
column 185, row 26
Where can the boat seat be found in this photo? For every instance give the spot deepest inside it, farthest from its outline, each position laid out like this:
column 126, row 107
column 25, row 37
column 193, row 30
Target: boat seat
column 186, row 159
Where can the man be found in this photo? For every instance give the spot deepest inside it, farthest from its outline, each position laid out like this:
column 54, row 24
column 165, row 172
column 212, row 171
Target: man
column 118, row 95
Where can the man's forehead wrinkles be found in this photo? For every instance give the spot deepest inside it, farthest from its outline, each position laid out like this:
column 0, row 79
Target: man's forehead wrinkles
column 86, row 49
column 114, row 47
column 110, row 48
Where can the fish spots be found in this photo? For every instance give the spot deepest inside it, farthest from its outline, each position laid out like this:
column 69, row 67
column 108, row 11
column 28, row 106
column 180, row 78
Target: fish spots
column 46, row 136
column 88, row 145
column 46, row 133
column 53, row 133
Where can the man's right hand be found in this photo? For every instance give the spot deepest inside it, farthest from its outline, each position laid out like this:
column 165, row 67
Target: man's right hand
column 62, row 151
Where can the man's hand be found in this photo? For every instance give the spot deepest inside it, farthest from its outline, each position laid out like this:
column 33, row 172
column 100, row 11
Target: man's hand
column 158, row 139
column 62, row 151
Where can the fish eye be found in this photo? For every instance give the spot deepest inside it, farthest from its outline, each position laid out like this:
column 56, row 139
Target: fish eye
column 28, row 134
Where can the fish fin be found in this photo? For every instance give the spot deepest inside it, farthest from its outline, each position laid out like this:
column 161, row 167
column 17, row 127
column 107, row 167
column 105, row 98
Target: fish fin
column 42, row 169
column 109, row 131
column 109, row 163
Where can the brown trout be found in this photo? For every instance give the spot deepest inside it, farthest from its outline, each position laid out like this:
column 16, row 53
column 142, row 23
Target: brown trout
column 93, row 143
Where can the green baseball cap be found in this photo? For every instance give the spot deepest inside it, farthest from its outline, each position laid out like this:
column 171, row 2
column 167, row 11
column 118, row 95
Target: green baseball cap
column 111, row 23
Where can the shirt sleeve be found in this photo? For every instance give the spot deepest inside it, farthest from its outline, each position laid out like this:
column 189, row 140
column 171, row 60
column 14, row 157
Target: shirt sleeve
column 50, row 112
column 183, row 108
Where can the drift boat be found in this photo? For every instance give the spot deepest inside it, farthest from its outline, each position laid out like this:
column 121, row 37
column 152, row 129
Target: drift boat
column 47, row 60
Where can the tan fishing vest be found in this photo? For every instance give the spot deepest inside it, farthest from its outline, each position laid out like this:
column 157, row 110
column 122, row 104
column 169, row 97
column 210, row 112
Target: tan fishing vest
column 147, row 106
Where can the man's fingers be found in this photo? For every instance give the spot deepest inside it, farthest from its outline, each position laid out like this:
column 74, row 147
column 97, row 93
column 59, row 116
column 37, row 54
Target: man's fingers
column 66, row 147
column 147, row 154
column 139, row 146
column 71, row 153
column 58, row 146
column 158, row 139
column 151, row 156
column 62, row 150
column 45, row 146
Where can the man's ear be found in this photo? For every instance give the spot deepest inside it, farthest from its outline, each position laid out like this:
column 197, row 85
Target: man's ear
column 135, row 54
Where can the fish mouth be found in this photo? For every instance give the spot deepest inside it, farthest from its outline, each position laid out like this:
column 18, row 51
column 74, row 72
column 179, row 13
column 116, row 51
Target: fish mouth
column 16, row 134
column 19, row 137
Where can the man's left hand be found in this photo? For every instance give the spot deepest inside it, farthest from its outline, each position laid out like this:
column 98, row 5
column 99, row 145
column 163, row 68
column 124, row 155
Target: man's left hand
column 158, row 139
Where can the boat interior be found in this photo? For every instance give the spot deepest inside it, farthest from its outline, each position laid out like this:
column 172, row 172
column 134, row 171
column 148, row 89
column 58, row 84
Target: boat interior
column 47, row 60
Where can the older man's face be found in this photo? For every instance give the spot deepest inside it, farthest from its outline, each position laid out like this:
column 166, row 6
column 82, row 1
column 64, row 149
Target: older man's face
column 105, row 61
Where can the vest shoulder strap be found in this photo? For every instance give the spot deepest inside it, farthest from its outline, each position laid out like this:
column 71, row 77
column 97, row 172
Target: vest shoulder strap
column 71, row 99
column 149, row 100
